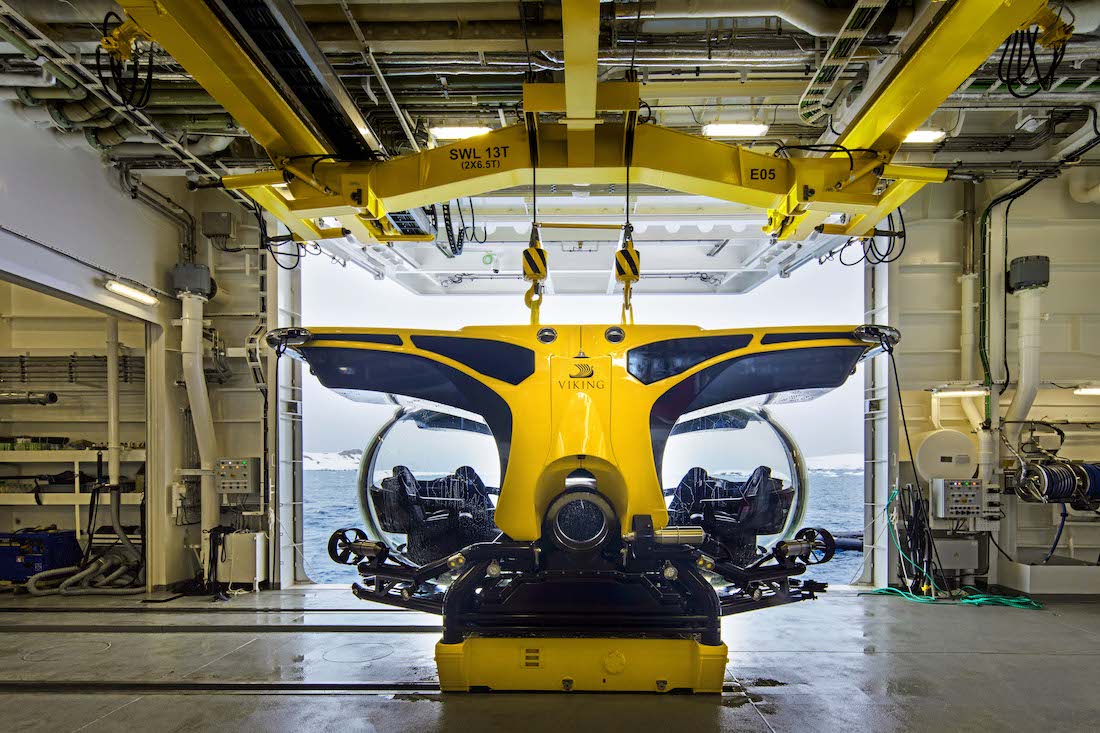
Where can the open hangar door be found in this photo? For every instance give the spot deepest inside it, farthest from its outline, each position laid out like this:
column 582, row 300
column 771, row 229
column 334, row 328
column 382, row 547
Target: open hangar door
column 351, row 447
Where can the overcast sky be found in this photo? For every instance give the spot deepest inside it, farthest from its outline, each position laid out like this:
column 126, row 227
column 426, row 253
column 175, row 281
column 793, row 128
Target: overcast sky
column 813, row 295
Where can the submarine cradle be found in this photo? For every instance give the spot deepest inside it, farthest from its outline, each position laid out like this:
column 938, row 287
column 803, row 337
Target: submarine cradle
column 578, row 572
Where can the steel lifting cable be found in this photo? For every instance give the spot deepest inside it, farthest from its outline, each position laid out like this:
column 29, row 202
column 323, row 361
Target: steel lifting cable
column 628, row 260
column 534, row 257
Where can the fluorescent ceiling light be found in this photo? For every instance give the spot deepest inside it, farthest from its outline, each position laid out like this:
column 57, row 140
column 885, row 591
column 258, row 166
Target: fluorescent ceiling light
column 924, row 136
column 1087, row 391
column 458, row 133
column 127, row 291
column 735, row 129
column 960, row 392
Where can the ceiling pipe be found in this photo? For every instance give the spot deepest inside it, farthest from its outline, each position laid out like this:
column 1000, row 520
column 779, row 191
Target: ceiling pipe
column 32, row 96
column 76, row 114
column 368, row 56
column 28, row 398
column 205, row 145
column 142, row 192
column 809, row 15
column 16, row 79
column 1080, row 190
column 90, row 11
column 33, row 54
column 109, row 137
column 32, row 115
column 1086, row 15
column 329, row 11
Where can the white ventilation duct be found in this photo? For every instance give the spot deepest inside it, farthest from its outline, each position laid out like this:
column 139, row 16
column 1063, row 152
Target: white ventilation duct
column 201, row 417
column 1080, row 190
column 1086, row 15
column 1027, row 277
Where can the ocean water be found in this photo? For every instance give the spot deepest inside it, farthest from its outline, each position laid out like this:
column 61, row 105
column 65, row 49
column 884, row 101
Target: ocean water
column 330, row 503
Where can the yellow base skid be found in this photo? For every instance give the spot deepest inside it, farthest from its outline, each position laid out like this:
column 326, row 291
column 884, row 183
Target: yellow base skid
column 581, row 665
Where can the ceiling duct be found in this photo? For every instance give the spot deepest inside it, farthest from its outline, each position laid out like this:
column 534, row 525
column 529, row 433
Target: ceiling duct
column 809, row 15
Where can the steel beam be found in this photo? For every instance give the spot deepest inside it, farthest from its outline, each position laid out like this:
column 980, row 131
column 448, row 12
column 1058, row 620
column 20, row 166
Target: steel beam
column 296, row 30
column 962, row 37
column 611, row 96
column 662, row 158
column 799, row 193
column 200, row 42
column 581, row 38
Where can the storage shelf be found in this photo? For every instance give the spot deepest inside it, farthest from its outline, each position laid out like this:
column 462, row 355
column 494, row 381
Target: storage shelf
column 134, row 455
column 62, row 499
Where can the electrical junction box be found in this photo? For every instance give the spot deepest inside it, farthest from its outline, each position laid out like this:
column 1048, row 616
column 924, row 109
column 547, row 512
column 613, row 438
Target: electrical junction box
column 958, row 498
column 237, row 476
column 219, row 224
column 956, row 553
column 189, row 277
column 1025, row 273
column 243, row 559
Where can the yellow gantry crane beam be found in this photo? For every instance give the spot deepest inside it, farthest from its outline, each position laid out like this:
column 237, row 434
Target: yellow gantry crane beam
column 580, row 21
column 967, row 33
column 196, row 38
column 800, row 194
column 501, row 159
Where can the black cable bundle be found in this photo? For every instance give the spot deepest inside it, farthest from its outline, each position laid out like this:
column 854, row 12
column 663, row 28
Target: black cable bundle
column 216, row 538
column 465, row 233
column 918, row 546
column 1018, row 68
column 127, row 83
column 825, row 148
column 872, row 253
column 470, row 234
column 917, row 540
column 301, row 249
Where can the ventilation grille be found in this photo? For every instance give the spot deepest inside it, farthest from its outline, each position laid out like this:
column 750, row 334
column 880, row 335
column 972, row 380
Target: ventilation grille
column 532, row 658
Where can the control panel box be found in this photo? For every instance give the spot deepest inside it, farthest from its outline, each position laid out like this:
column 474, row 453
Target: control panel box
column 958, row 498
column 244, row 559
column 237, row 476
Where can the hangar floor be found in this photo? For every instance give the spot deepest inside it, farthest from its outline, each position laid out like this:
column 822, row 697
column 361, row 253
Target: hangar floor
column 312, row 660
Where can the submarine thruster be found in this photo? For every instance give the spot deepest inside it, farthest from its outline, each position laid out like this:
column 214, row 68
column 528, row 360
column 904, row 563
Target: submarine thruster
column 579, row 571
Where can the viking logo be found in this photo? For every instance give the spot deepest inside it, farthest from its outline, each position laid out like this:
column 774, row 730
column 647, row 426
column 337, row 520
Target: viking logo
column 584, row 371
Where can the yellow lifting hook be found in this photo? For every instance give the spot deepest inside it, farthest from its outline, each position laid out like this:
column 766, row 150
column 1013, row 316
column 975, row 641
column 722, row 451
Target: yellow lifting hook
column 534, row 270
column 627, row 269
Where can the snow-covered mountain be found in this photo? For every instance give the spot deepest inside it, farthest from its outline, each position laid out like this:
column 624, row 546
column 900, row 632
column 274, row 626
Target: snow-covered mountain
column 348, row 460
column 345, row 460
column 838, row 462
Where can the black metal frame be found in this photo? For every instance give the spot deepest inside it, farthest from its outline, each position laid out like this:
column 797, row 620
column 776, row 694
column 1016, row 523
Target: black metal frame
column 629, row 589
